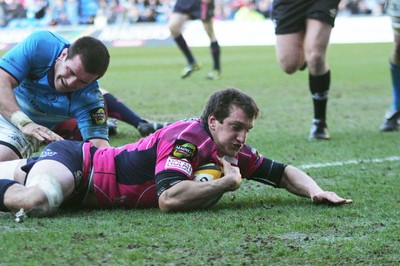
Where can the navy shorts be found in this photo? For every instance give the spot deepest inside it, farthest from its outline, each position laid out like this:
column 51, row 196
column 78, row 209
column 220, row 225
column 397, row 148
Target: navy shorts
column 70, row 154
column 196, row 9
column 290, row 16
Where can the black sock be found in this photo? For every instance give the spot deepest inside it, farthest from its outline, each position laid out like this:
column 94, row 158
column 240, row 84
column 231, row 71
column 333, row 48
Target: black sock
column 4, row 185
column 180, row 41
column 215, row 52
column 118, row 110
column 319, row 87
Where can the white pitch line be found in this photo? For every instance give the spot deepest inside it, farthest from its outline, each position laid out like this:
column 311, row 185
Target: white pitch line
column 321, row 165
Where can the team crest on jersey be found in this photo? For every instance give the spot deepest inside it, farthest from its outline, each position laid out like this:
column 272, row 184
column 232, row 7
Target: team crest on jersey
column 98, row 116
column 183, row 149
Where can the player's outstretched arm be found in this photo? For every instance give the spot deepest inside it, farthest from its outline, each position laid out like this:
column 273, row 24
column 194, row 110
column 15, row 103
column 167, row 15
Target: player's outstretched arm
column 299, row 183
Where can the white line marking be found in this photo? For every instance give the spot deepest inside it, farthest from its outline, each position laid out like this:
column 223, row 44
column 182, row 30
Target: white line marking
column 321, row 165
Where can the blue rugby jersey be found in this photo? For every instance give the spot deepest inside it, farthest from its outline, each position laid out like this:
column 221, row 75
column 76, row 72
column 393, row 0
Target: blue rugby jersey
column 31, row 64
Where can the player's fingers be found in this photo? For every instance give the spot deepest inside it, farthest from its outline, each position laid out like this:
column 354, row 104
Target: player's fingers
column 330, row 198
column 47, row 135
column 54, row 136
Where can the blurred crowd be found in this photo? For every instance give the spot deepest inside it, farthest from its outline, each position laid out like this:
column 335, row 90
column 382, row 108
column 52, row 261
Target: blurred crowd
column 25, row 13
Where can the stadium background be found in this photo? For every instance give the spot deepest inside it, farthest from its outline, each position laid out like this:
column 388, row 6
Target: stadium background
column 237, row 23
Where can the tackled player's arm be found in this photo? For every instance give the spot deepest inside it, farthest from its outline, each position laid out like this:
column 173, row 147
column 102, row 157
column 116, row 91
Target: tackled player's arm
column 189, row 194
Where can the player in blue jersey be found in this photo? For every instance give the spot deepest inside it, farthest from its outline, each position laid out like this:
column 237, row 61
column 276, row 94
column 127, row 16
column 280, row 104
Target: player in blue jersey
column 392, row 117
column 185, row 10
column 157, row 171
column 45, row 80
column 302, row 29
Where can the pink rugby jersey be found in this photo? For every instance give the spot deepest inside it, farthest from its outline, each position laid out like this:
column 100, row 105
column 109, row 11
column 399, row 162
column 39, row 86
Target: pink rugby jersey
column 133, row 175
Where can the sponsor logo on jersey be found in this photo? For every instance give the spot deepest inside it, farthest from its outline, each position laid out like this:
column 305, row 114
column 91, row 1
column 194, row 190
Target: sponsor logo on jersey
column 179, row 165
column 98, row 116
column 183, row 149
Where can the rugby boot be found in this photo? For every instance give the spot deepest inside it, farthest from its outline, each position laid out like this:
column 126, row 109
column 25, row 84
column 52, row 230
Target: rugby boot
column 189, row 69
column 392, row 120
column 112, row 126
column 146, row 128
column 319, row 130
column 214, row 75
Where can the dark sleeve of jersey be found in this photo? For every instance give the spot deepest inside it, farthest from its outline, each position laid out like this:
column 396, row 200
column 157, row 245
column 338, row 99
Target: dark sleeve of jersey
column 167, row 179
column 269, row 172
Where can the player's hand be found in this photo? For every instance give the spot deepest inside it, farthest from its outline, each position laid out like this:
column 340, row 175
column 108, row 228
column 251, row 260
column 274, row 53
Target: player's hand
column 231, row 174
column 327, row 197
column 41, row 133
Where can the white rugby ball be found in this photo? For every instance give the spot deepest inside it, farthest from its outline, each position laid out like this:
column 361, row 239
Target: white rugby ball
column 207, row 172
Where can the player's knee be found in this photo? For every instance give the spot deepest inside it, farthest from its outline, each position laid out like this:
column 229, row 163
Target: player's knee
column 289, row 68
column 316, row 62
column 175, row 31
column 53, row 195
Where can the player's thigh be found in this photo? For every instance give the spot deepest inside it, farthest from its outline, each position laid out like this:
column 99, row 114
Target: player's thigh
column 315, row 45
column 290, row 51
column 209, row 28
column 56, row 170
column 7, row 154
column 176, row 22
column 12, row 170
column 317, row 36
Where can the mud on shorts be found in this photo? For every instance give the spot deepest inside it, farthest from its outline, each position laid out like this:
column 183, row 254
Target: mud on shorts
column 196, row 9
column 10, row 136
column 290, row 16
column 72, row 155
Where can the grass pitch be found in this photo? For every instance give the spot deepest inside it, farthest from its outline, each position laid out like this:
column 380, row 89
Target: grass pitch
column 255, row 225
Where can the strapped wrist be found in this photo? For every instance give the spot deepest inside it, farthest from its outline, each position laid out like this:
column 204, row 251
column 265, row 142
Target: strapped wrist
column 20, row 119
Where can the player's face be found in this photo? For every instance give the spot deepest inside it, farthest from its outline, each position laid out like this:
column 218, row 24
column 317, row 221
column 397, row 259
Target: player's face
column 70, row 75
column 231, row 134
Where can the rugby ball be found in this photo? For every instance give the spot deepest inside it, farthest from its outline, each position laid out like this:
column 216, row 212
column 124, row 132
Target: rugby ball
column 207, row 172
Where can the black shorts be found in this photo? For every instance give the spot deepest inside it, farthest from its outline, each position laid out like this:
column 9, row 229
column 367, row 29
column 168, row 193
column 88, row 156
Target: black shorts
column 290, row 16
column 196, row 9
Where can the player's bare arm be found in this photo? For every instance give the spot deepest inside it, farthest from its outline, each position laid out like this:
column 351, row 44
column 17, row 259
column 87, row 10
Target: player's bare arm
column 10, row 110
column 189, row 195
column 299, row 183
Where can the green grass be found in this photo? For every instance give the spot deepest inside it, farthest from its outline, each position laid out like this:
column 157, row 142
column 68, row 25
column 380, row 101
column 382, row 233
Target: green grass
column 255, row 225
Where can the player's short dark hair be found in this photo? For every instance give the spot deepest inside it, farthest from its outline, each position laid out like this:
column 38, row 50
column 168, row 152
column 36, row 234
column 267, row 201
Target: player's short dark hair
column 93, row 53
column 220, row 102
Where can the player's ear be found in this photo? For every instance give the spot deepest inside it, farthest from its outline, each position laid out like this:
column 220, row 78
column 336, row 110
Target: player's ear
column 63, row 54
column 211, row 122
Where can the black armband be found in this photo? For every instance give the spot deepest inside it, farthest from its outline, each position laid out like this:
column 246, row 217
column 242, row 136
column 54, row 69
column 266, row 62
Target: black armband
column 269, row 172
column 166, row 179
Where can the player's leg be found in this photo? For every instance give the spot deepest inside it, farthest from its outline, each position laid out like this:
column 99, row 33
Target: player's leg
column 14, row 144
column 7, row 153
column 392, row 116
column 215, row 50
column 47, row 185
column 290, row 51
column 176, row 22
column 117, row 109
column 315, row 46
column 12, row 170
